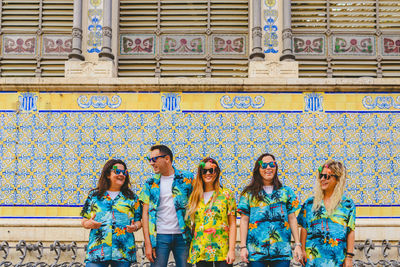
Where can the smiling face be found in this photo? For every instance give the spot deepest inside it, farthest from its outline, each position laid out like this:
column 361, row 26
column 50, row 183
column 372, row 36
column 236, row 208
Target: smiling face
column 116, row 180
column 162, row 164
column 269, row 172
column 327, row 183
column 209, row 178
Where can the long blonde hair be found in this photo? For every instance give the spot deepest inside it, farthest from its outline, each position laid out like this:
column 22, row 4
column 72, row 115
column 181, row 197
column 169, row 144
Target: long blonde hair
column 337, row 168
column 198, row 188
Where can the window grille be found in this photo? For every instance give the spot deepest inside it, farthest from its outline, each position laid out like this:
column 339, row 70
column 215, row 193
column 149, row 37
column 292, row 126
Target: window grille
column 36, row 37
column 179, row 38
column 347, row 38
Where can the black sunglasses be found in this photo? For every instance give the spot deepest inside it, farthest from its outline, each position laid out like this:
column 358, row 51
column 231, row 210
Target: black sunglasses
column 155, row 158
column 205, row 171
column 327, row 176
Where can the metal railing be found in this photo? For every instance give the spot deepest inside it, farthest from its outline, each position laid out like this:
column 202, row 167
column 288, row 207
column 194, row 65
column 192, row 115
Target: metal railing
column 37, row 250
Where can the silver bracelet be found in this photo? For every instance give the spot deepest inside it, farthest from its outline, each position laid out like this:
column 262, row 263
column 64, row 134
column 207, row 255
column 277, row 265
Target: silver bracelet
column 297, row 244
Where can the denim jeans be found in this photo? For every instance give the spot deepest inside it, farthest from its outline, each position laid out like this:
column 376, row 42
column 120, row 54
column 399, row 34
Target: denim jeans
column 107, row 263
column 213, row 264
column 167, row 243
column 269, row 264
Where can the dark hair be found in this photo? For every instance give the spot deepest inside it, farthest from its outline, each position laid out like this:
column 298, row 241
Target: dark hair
column 256, row 185
column 164, row 150
column 104, row 183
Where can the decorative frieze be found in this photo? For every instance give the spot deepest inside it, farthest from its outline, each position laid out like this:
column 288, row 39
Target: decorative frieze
column 56, row 45
column 353, row 45
column 229, row 44
column 19, row 44
column 137, row 44
column 270, row 27
column 314, row 45
column 183, row 44
column 390, row 45
column 95, row 28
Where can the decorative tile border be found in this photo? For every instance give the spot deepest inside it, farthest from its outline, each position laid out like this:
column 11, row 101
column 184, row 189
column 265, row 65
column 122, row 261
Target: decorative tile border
column 381, row 102
column 270, row 27
column 99, row 101
column 14, row 44
column 390, row 45
column 313, row 102
column 170, row 102
column 56, row 45
column 95, row 22
column 242, row 102
column 359, row 45
column 310, row 45
column 229, row 44
column 183, row 44
column 137, row 44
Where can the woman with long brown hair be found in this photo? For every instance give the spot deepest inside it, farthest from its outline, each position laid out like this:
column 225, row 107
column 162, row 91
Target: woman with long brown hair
column 112, row 212
column 268, row 218
column 212, row 214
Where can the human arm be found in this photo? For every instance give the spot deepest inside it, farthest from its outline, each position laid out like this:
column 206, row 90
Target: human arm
column 244, row 227
column 149, row 251
column 295, row 232
column 348, row 261
column 90, row 223
column 232, row 239
column 303, row 238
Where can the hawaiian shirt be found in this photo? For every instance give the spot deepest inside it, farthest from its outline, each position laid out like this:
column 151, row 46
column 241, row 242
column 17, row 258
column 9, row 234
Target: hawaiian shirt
column 111, row 241
column 181, row 190
column 326, row 243
column 211, row 228
column 269, row 233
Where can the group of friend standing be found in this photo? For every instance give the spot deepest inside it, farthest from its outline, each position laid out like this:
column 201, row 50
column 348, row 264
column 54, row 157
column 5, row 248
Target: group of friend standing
column 195, row 218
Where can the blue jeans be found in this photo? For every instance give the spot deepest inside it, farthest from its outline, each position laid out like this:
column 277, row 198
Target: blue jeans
column 167, row 243
column 107, row 263
column 269, row 264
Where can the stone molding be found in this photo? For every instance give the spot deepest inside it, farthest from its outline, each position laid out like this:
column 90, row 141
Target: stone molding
column 76, row 69
column 273, row 69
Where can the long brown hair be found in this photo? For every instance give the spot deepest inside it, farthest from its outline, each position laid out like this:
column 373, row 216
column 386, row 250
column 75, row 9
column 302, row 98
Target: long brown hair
column 198, row 188
column 256, row 185
column 104, row 183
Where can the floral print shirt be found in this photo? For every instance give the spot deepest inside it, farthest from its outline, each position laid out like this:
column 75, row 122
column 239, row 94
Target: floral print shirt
column 111, row 241
column 269, row 233
column 211, row 228
column 181, row 190
column 326, row 243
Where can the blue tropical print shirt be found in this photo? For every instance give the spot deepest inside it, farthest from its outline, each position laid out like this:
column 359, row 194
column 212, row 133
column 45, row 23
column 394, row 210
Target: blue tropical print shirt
column 111, row 241
column 181, row 190
column 269, row 234
column 326, row 243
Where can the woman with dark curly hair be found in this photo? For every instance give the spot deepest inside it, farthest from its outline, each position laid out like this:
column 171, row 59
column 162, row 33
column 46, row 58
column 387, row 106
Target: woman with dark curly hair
column 112, row 212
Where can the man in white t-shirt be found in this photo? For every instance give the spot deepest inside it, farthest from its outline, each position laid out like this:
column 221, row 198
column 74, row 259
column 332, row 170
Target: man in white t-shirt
column 164, row 197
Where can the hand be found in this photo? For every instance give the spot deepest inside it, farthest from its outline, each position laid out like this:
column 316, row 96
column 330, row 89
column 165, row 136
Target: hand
column 91, row 223
column 150, row 253
column 298, row 254
column 230, row 258
column 132, row 228
column 303, row 259
column 348, row 262
column 244, row 254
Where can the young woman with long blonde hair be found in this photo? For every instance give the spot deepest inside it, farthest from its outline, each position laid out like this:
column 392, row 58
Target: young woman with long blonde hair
column 212, row 214
column 328, row 220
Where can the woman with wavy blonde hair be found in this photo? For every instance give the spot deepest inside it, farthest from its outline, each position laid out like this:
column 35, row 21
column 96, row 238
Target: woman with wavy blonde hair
column 212, row 214
column 328, row 220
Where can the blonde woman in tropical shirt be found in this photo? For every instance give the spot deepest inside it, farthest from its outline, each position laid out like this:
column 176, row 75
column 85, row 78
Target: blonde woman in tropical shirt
column 113, row 212
column 268, row 218
column 328, row 220
column 212, row 213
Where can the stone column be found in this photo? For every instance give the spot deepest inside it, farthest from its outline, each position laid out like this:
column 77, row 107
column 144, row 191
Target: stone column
column 257, row 53
column 106, row 51
column 287, row 52
column 76, row 53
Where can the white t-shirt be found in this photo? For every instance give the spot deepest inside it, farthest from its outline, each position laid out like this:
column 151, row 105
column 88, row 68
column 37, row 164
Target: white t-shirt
column 268, row 188
column 167, row 221
column 207, row 196
column 113, row 194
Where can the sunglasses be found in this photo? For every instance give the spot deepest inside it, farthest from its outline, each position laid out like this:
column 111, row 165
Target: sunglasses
column 118, row 171
column 264, row 165
column 155, row 158
column 327, row 176
column 205, row 171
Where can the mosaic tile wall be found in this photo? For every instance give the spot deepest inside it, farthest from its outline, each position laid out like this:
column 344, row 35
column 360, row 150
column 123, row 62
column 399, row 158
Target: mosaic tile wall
column 53, row 145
